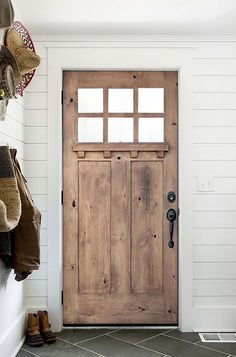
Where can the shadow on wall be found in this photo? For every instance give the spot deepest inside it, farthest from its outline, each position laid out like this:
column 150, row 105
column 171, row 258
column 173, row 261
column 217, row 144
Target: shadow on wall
column 4, row 274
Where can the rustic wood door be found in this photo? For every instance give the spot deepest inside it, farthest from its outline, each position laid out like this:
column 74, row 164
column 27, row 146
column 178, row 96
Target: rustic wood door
column 120, row 197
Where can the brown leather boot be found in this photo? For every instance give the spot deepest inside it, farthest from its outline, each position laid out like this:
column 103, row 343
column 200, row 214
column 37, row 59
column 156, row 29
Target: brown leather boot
column 45, row 327
column 33, row 336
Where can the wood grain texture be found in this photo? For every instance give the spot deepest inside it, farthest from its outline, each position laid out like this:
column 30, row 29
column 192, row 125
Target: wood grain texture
column 94, row 227
column 118, row 268
column 146, row 230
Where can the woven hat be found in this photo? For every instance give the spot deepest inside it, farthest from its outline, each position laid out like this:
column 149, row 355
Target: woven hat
column 6, row 14
column 9, row 76
column 21, row 46
column 10, row 203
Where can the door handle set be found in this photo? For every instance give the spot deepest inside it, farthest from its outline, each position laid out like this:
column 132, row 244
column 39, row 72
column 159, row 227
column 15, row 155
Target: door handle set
column 171, row 217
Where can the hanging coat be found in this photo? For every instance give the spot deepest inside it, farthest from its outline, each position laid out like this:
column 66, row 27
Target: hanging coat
column 26, row 257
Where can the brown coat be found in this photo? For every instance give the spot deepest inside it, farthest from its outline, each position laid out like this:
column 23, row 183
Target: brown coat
column 27, row 233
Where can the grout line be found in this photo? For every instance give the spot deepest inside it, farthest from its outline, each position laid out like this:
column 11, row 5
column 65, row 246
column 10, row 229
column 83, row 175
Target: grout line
column 208, row 348
column 159, row 334
column 145, row 348
column 73, row 344
column 33, row 354
column 92, row 338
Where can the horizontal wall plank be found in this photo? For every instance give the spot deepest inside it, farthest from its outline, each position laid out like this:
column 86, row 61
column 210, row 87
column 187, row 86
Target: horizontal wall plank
column 220, row 50
column 36, row 101
column 214, row 83
column 214, row 287
column 214, row 66
column 43, row 254
column 39, row 84
column 43, row 236
column 214, row 135
column 214, row 118
column 213, row 203
column 42, row 273
column 41, row 49
column 38, row 185
column 215, row 254
column 215, row 270
column 214, row 100
column 42, row 69
column 214, row 168
column 214, row 220
column 36, row 302
column 222, row 185
column 214, row 301
column 208, row 151
column 36, row 117
column 36, row 288
column 36, row 135
column 44, row 223
column 41, row 202
column 13, row 128
column 36, row 169
column 16, row 111
column 36, row 152
column 214, row 236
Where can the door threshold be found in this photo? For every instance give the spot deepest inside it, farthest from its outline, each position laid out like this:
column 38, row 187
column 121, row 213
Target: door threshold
column 128, row 327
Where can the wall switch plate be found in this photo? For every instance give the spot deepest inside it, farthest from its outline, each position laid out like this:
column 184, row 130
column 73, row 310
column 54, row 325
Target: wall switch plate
column 205, row 184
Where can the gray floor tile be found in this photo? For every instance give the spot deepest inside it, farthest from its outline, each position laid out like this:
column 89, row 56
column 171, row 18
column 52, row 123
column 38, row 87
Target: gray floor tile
column 59, row 349
column 77, row 335
column 23, row 353
column 136, row 335
column 176, row 348
column 229, row 348
column 111, row 347
column 186, row 336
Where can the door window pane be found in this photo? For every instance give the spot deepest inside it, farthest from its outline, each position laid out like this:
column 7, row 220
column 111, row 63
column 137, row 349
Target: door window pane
column 90, row 130
column 120, row 101
column 151, row 100
column 120, row 130
column 90, row 100
column 151, row 129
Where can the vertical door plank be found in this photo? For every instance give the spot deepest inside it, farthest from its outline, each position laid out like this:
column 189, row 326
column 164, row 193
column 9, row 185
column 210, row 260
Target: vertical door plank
column 94, row 227
column 70, row 214
column 120, row 226
column 147, row 218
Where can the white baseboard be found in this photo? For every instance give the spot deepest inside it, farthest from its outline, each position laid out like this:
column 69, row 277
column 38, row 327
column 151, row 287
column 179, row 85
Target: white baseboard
column 13, row 338
column 217, row 319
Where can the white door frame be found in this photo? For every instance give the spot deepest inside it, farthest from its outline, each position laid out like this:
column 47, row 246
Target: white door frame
column 117, row 55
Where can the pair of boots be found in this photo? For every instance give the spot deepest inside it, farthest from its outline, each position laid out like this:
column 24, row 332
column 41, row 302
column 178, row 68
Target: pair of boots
column 38, row 329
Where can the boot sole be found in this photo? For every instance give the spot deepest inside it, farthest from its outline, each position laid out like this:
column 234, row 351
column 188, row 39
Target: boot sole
column 50, row 340
column 36, row 344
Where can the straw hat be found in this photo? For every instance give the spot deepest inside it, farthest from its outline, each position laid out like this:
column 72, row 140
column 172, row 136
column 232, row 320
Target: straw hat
column 10, row 203
column 21, row 46
column 6, row 14
column 9, row 77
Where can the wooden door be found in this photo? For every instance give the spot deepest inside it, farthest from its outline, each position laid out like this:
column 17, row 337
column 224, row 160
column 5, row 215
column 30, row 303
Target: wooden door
column 120, row 164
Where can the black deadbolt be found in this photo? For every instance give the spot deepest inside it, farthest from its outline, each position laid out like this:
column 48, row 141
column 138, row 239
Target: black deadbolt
column 171, row 196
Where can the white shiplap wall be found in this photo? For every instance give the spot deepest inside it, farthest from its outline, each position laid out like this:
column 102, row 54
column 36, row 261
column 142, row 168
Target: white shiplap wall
column 35, row 100
column 214, row 154
column 12, row 304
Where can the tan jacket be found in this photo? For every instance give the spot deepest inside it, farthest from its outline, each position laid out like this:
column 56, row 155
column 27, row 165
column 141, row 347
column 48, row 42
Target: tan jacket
column 27, row 233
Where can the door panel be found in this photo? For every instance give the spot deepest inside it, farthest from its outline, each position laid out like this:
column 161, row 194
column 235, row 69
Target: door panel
column 94, row 227
column 146, row 228
column 118, row 267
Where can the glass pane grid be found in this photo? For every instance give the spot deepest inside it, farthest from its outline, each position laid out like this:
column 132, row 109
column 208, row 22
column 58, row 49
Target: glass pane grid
column 121, row 115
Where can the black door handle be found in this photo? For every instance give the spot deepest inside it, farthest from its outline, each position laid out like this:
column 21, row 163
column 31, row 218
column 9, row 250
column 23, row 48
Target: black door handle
column 171, row 216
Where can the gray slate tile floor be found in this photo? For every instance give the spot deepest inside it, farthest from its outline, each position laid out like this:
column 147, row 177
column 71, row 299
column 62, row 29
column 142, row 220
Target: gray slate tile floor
column 129, row 343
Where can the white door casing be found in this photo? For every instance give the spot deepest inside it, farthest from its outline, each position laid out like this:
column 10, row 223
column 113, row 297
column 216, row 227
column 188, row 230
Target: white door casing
column 114, row 55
